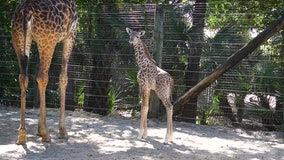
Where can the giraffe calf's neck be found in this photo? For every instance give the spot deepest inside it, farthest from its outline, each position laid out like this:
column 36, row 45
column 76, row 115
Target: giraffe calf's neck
column 142, row 54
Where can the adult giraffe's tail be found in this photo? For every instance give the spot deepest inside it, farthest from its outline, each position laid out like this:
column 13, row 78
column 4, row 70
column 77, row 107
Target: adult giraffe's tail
column 22, row 20
column 27, row 12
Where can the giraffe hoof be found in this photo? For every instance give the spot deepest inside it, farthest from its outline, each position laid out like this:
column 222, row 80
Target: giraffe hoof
column 63, row 135
column 45, row 139
column 21, row 141
column 166, row 143
column 44, row 135
column 144, row 136
column 22, row 137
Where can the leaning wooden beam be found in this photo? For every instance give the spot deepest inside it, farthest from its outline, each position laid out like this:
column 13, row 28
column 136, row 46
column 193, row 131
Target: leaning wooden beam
column 230, row 62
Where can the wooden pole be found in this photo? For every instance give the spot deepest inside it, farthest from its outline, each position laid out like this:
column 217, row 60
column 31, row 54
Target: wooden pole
column 158, row 34
column 230, row 62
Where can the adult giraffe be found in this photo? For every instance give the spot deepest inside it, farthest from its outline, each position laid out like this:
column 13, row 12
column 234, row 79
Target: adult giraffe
column 47, row 22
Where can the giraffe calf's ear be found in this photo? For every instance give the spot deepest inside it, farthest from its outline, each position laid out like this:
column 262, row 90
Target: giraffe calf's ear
column 128, row 30
column 142, row 33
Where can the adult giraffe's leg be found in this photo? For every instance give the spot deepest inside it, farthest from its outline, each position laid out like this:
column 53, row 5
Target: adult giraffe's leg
column 23, row 58
column 144, row 111
column 45, row 56
column 63, row 81
column 23, row 81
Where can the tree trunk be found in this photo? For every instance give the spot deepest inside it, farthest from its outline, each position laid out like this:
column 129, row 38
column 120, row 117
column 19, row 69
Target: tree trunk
column 230, row 62
column 196, row 35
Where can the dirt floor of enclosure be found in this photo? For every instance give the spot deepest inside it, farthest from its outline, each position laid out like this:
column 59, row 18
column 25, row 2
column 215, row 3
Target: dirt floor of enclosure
column 115, row 137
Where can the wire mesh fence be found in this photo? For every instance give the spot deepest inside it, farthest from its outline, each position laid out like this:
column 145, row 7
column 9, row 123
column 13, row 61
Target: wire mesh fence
column 102, row 69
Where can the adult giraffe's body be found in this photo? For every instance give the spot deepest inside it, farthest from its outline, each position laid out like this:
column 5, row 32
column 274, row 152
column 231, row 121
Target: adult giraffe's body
column 47, row 22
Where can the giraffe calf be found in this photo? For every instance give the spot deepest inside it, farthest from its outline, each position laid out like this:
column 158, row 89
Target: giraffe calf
column 151, row 77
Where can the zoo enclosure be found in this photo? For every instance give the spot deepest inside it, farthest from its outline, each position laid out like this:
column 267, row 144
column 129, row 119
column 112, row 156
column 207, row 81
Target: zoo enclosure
column 102, row 69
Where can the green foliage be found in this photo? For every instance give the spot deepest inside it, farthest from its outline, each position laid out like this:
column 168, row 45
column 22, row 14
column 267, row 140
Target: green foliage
column 266, row 76
column 7, row 10
column 132, row 76
column 248, row 14
column 279, row 92
column 112, row 98
column 210, row 112
column 271, row 119
column 9, row 89
column 265, row 82
column 80, row 94
column 86, row 2
column 134, row 113
column 184, row 60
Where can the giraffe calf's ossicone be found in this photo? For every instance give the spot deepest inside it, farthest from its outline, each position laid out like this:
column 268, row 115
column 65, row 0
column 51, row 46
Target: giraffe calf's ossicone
column 31, row 23
column 151, row 77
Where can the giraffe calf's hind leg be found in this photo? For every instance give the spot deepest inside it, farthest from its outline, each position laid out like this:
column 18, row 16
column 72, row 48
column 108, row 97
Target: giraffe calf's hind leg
column 169, row 134
column 165, row 97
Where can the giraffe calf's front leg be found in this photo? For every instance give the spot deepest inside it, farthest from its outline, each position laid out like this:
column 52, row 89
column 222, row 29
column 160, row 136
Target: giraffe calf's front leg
column 143, row 133
column 168, row 138
column 143, row 126
column 144, row 111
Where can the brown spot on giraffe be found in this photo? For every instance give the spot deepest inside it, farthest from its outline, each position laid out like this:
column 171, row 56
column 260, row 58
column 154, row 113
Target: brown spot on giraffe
column 151, row 77
column 44, row 22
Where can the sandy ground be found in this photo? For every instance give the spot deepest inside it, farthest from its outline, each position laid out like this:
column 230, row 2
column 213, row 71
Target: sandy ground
column 114, row 137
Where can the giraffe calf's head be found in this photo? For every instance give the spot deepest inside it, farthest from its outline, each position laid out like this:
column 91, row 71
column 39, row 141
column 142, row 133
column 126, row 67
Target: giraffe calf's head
column 134, row 36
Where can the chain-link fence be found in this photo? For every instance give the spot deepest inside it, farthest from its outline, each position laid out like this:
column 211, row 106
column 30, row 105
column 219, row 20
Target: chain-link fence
column 102, row 69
